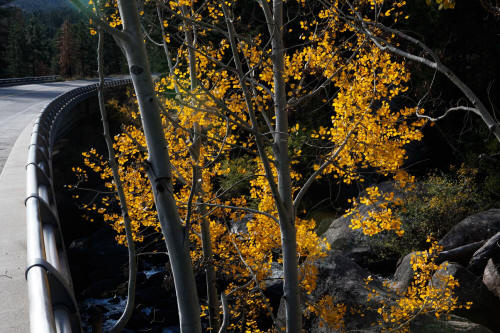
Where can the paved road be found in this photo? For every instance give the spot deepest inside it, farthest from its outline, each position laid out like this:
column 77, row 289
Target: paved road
column 21, row 104
column 19, row 107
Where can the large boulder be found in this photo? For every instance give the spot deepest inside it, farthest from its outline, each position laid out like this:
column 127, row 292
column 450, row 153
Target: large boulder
column 344, row 280
column 485, row 305
column 491, row 277
column 451, row 324
column 404, row 273
column 461, row 254
column 490, row 249
column 477, row 227
column 353, row 243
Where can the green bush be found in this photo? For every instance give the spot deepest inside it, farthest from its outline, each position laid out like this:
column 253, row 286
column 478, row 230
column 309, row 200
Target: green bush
column 439, row 202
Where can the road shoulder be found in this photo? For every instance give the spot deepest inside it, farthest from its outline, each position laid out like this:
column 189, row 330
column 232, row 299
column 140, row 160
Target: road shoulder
column 14, row 315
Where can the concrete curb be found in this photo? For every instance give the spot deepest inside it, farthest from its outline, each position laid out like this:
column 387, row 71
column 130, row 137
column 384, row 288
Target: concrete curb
column 14, row 315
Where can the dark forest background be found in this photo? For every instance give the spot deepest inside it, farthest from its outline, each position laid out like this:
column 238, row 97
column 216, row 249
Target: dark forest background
column 48, row 37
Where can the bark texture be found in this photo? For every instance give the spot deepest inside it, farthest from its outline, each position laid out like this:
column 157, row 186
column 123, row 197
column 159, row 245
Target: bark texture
column 159, row 171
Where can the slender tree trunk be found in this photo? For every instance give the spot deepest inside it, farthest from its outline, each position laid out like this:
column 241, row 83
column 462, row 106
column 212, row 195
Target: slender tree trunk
column 132, row 258
column 206, row 242
column 280, row 148
column 225, row 309
column 282, row 192
column 159, row 172
column 165, row 46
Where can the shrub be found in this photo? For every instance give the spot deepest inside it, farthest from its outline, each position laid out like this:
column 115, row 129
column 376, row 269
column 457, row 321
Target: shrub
column 439, row 202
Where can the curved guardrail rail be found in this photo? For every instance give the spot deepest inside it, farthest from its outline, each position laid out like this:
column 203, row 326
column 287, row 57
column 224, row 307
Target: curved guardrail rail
column 53, row 307
column 27, row 80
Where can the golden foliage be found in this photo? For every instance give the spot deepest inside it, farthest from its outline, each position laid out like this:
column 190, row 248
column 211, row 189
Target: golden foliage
column 361, row 121
column 429, row 292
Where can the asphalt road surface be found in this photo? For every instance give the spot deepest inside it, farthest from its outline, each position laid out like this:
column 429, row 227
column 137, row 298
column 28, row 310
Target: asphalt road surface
column 20, row 105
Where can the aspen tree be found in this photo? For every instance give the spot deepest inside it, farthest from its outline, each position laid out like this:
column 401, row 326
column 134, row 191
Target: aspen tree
column 248, row 83
column 130, row 40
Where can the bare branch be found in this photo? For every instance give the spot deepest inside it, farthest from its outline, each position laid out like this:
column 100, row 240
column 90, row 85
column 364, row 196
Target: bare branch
column 383, row 44
column 251, row 112
column 457, row 108
column 189, row 208
column 226, row 314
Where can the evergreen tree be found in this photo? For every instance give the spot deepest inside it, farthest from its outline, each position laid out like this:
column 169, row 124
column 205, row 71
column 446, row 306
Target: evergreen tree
column 68, row 51
column 37, row 48
column 112, row 51
column 5, row 13
column 51, row 42
column 15, row 51
column 86, row 49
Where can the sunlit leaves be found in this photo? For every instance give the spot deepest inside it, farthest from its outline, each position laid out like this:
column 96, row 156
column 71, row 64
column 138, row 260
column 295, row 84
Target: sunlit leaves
column 359, row 87
column 430, row 292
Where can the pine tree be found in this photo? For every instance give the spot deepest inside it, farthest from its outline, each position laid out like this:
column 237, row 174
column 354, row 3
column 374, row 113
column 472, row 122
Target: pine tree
column 37, row 48
column 5, row 12
column 68, row 52
column 85, row 43
column 15, row 50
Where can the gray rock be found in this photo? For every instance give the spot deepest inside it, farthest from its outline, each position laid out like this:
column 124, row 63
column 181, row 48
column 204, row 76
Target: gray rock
column 276, row 276
column 240, row 226
column 485, row 305
column 276, row 271
column 461, row 254
column 491, row 249
column 404, row 273
column 353, row 243
column 491, row 277
column 344, row 280
column 453, row 324
column 474, row 228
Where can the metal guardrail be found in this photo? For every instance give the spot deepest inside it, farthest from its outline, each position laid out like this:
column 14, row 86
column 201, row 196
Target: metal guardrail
column 27, row 80
column 52, row 304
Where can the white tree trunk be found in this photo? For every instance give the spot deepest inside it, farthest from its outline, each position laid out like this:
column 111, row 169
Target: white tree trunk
column 132, row 257
column 159, row 172
column 206, row 241
column 287, row 214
